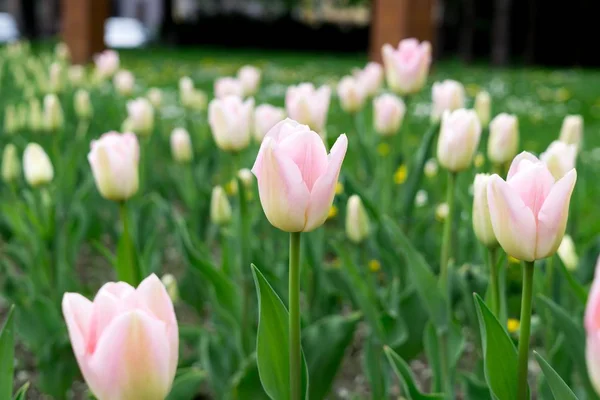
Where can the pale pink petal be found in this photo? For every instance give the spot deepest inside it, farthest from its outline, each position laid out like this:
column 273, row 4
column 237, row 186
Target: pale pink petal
column 552, row 217
column 323, row 192
column 118, row 289
column 77, row 311
column 105, row 308
column 132, row 360
column 516, row 163
column 592, row 357
column 533, row 183
column 280, row 131
column 592, row 308
column 306, row 149
column 513, row 222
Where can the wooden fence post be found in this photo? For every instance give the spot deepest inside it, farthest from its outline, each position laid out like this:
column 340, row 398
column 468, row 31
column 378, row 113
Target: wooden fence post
column 83, row 27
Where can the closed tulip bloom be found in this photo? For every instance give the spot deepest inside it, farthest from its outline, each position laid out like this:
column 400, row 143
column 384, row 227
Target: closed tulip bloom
column 228, row 86
column 10, row 163
column 351, row 94
column 571, row 131
column 181, row 146
column 448, row 95
column 171, row 286
column 62, row 52
column 567, row 253
column 83, row 105
column 186, row 88
column 529, row 210
column 592, row 330
column 388, row 114
column 357, row 220
column 246, row 177
column 249, row 78
column 220, row 209
column 107, row 63
column 370, row 78
column 230, row 120
column 483, row 106
column 407, row 67
column 459, row 137
column 114, row 159
column 53, row 113
column 76, row 74
column 155, row 97
column 503, row 142
column 126, row 341
column 140, row 114
column 124, row 82
column 482, row 224
column 308, row 106
column 37, row 165
column 55, row 80
column 559, row 158
column 296, row 177
column 431, row 168
column 266, row 116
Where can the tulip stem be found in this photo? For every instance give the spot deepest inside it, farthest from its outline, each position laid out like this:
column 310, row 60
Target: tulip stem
column 525, row 329
column 294, row 321
column 127, row 269
column 494, row 281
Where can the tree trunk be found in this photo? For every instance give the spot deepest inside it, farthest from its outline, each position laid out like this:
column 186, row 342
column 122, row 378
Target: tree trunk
column 467, row 31
column 501, row 32
column 530, row 44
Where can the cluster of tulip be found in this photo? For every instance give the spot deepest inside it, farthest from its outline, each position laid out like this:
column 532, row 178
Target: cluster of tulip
column 127, row 340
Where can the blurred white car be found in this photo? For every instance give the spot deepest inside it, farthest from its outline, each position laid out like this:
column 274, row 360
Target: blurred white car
column 125, row 33
column 9, row 31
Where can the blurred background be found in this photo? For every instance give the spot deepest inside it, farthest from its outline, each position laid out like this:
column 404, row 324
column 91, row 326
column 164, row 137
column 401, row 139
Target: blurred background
column 499, row 31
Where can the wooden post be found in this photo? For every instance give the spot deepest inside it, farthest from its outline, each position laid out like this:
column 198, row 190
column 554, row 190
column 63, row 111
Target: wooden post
column 83, row 27
column 394, row 20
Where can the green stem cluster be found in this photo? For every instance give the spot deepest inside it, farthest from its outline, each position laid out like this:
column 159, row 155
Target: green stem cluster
column 294, row 318
column 525, row 329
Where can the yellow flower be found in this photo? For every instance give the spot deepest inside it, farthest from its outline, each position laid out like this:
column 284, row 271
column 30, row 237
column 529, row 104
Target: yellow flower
column 339, row 188
column 479, row 160
column 513, row 260
column 400, row 175
column 374, row 265
column 383, row 149
column 231, row 187
column 513, row 325
column 333, row 211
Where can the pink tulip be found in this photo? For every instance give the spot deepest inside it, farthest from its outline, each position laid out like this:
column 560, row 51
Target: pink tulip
column 407, row 67
column 126, row 341
column 228, row 86
column 296, row 178
column 529, row 210
column 249, row 78
column 448, row 95
column 370, row 78
column 308, row 106
column 107, row 63
column 351, row 93
column 592, row 328
column 388, row 113
column 265, row 117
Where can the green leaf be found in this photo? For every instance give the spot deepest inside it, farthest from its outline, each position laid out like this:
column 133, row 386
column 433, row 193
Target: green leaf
column 245, row 384
column 22, row 392
column 474, row 389
column 578, row 290
column 425, row 282
column 127, row 260
column 7, row 356
column 559, row 388
column 272, row 343
column 499, row 354
column 406, row 378
column 411, row 309
column 374, row 367
column 456, row 345
column 187, row 384
column 324, row 357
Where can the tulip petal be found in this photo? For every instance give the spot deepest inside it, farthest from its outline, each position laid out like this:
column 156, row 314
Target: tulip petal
column 283, row 194
column 592, row 349
column 308, row 152
column 77, row 311
column 515, row 166
column 513, row 222
column 132, row 359
column 323, row 192
column 105, row 308
column 120, row 290
column 553, row 214
column 533, row 183
column 592, row 308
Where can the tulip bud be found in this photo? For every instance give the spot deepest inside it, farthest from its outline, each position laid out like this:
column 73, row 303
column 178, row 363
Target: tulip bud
column 459, row 138
column 107, row 63
column 296, row 178
column 10, row 119
column 567, row 254
column 431, row 168
column 230, row 120
column 76, row 75
column 370, row 78
column 220, row 209
column 55, row 81
column 357, row 220
column 483, row 105
column 126, row 341
column 53, row 113
column 441, row 211
column 246, row 177
column 36, row 116
column 421, row 198
column 388, row 113
column 197, row 100
column 592, row 330
column 155, row 97
column 407, row 67
column 141, row 116
column 529, row 210
column 83, row 106
column 170, row 284
column 351, row 94
column 571, row 131
column 114, row 160
column 503, row 141
column 181, row 146
column 10, row 163
column 308, row 106
column 266, row 116
column 448, row 95
column 62, row 51
column 37, row 165
column 186, row 86
column 249, row 78
column 482, row 224
column 228, row 86
column 124, row 82
column 559, row 158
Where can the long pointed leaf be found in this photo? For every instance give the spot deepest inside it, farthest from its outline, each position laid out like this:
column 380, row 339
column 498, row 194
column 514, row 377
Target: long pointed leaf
column 407, row 380
column 559, row 388
column 7, row 355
